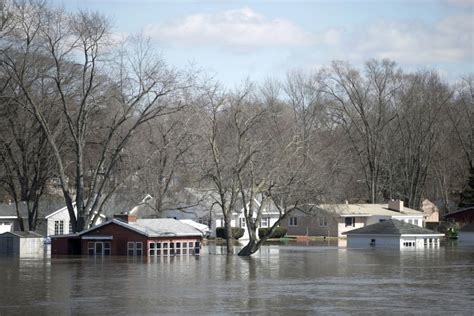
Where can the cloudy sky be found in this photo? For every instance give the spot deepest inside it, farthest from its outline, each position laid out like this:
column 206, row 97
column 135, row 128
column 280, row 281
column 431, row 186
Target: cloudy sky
column 235, row 40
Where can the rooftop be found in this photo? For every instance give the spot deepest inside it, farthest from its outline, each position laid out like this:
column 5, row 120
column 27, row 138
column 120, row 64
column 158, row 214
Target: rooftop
column 392, row 227
column 367, row 210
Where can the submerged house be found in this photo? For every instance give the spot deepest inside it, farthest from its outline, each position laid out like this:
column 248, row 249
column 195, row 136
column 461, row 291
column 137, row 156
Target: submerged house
column 392, row 234
column 23, row 244
column 125, row 235
column 333, row 220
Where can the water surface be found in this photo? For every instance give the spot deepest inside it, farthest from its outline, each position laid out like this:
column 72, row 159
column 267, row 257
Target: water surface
column 313, row 278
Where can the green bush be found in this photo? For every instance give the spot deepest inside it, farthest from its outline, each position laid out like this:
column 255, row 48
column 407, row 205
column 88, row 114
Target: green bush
column 278, row 233
column 237, row 232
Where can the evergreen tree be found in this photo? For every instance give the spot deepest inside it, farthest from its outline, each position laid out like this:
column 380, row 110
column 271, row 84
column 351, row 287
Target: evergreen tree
column 467, row 196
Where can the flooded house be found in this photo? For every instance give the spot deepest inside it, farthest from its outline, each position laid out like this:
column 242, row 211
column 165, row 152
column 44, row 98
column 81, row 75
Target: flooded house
column 125, row 235
column 333, row 220
column 393, row 234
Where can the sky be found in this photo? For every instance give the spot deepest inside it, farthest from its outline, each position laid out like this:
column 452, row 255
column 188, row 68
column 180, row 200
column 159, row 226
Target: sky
column 238, row 40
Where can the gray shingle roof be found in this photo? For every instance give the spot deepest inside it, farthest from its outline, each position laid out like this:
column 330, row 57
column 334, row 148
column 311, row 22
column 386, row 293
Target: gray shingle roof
column 158, row 227
column 391, row 227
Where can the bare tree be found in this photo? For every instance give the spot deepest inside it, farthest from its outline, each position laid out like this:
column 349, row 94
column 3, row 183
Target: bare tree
column 364, row 107
column 71, row 52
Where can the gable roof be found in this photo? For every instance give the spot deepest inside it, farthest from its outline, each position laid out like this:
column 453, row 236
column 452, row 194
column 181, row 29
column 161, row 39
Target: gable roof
column 26, row 234
column 156, row 227
column 462, row 210
column 62, row 209
column 392, row 227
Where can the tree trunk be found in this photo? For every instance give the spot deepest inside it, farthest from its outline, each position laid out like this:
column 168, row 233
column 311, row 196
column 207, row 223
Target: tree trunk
column 230, row 237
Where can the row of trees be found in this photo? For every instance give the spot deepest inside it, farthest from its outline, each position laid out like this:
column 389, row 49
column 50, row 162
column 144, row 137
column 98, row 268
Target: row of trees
column 99, row 117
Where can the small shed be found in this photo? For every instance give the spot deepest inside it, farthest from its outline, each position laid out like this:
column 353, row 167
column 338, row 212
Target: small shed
column 392, row 234
column 466, row 234
column 23, row 244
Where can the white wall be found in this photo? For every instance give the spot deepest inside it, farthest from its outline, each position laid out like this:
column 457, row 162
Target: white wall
column 380, row 241
column 341, row 226
column 31, row 247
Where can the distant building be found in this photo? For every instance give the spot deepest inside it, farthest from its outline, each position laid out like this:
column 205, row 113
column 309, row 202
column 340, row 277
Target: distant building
column 333, row 220
column 23, row 244
column 430, row 212
column 392, row 234
column 125, row 235
column 462, row 216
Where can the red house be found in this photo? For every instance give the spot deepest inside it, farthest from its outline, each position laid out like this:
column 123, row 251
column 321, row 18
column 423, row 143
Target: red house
column 462, row 216
column 125, row 235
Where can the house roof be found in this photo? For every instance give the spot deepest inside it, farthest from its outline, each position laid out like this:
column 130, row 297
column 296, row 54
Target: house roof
column 367, row 210
column 64, row 208
column 26, row 234
column 392, row 227
column 467, row 228
column 155, row 227
column 467, row 209
column 9, row 210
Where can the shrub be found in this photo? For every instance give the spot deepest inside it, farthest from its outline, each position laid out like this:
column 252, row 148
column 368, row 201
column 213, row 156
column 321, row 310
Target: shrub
column 278, row 233
column 237, row 232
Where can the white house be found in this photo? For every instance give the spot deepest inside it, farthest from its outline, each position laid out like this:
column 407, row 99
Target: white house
column 333, row 220
column 466, row 234
column 270, row 216
column 392, row 234
column 58, row 222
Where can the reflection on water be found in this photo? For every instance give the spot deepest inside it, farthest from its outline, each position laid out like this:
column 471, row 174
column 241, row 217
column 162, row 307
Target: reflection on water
column 315, row 277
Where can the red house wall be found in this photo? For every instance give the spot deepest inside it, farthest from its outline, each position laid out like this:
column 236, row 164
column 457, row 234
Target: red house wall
column 121, row 236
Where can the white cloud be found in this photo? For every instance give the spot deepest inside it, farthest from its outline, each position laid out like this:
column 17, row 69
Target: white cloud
column 449, row 40
column 235, row 29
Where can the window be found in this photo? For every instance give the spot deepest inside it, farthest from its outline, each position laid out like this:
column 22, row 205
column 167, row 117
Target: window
column 323, row 221
column 135, row 248
column 151, row 250
column 99, row 248
column 410, row 221
column 293, row 221
column 165, row 249
column 171, row 248
column 372, row 242
column 382, row 220
column 415, row 222
column 264, row 222
column 178, row 248
column 242, row 222
column 196, row 247
column 107, row 251
column 70, row 227
column 350, row 221
column 58, row 227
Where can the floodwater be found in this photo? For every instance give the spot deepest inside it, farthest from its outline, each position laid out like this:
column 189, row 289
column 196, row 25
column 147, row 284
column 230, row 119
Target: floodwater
column 314, row 278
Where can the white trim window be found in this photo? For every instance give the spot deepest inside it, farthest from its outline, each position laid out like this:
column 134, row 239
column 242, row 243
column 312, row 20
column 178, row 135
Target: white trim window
column 293, row 221
column 59, row 227
column 350, row 221
column 242, row 222
column 265, row 222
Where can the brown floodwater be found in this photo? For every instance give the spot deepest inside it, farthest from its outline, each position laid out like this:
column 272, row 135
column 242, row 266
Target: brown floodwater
column 293, row 278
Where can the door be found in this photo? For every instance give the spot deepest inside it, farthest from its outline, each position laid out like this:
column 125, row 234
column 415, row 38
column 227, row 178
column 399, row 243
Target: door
column 99, row 248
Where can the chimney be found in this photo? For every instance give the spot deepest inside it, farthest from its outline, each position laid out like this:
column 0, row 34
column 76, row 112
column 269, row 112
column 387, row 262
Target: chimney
column 125, row 217
column 395, row 205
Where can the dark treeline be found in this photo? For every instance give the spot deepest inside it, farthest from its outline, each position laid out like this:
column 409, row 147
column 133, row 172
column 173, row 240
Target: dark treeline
column 95, row 117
